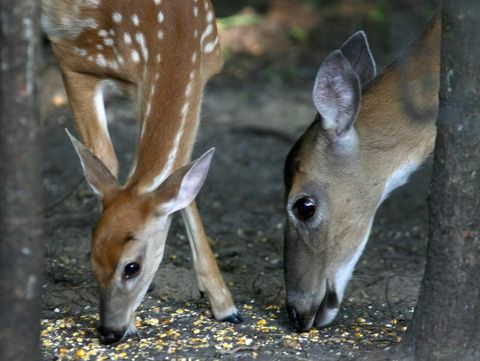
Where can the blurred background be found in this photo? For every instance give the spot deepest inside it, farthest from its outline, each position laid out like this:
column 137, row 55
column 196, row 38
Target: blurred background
column 286, row 40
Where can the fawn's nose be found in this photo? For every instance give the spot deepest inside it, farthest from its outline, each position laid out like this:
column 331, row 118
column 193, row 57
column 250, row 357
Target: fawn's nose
column 109, row 337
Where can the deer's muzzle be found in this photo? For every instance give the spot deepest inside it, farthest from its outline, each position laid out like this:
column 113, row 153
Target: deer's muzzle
column 304, row 312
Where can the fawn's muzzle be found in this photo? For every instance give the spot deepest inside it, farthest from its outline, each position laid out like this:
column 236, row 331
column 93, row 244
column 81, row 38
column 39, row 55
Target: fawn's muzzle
column 109, row 337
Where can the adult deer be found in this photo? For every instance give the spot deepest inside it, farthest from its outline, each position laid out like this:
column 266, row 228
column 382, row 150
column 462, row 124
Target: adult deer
column 367, row 138
column 162, row 52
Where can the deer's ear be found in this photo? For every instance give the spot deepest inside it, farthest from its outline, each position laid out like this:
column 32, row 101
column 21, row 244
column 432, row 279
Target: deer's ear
column 100, row 179
column 181, row 187
column 336, row 95
column 357, row 51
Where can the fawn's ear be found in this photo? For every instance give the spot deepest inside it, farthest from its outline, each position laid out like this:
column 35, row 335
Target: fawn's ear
column 182, row 186
column 336, row 95
column 99, row 178
column 357, row 51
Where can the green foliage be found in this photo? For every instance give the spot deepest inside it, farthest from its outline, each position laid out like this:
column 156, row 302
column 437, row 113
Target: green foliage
column 238, row 20
column 298, row 34
column 380, row 14
column 313, row 3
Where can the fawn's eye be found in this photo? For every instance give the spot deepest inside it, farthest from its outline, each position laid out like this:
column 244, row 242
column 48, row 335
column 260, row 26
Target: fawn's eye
column 131, row 270
column 304, row 208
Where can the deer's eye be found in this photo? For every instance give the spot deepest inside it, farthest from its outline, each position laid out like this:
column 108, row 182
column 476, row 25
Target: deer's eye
column 131, row 270
column 304, row 208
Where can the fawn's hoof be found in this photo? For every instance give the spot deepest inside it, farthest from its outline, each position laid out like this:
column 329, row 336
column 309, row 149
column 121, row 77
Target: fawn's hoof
column 233, row 318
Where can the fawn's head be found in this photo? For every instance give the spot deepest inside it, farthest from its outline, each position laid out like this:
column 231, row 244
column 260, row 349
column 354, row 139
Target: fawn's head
column 327, row 197
column 129, row 239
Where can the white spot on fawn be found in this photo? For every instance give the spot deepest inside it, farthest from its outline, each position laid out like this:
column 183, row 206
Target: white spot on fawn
column 113, row 64
column 90, row 23
column 99, row 46
column 189, row 89
column 160, row 35
column 102, row 33
column 194, row 57
column 208, row 30
column 101, row 61
column 195, row 11
column 147, row 112
column 157, row 2
column 160, row 17
column 108, row 41
column 140, row 38
column 209, row 47
column 127, row 38
column 93, row 2
column 135, row 56
column 78, row 51
column 135, row 20
column 117, row 17
column 158, row 58
column 210, row 16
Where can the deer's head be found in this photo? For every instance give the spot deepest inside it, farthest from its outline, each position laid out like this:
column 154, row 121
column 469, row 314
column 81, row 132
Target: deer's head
column 329, row 199
column 129, row 239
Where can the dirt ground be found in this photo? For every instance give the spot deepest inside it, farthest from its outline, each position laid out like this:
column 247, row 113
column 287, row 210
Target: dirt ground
column 252, row 114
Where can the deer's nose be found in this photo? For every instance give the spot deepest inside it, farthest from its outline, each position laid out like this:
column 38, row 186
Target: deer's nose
column 302, row 320
column 109, row 337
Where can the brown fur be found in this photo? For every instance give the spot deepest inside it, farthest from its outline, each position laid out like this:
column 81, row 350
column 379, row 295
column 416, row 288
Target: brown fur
column 75, row 42
column 395, row 128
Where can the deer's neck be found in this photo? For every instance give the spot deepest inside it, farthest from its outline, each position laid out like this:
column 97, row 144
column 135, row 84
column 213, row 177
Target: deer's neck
column 397, row 123
column 169, row 122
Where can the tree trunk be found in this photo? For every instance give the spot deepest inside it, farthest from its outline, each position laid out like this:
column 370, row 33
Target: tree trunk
column 20, row 232
column 446, row 323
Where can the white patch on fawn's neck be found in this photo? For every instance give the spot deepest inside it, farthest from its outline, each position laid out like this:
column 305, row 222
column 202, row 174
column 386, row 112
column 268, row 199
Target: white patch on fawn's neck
column 397, row 178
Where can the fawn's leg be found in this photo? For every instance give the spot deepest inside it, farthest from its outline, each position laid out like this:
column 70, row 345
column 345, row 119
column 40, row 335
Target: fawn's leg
column 208, row 274
column 86, row 100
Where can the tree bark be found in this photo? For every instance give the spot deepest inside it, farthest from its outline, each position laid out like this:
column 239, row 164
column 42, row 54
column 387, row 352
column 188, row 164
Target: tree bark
column 446, row 323
column 20, row 231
